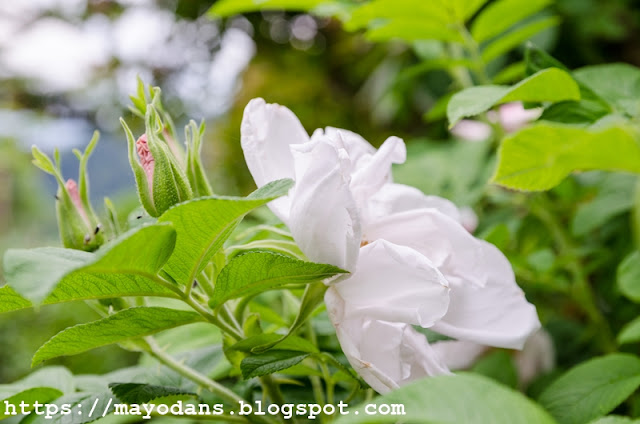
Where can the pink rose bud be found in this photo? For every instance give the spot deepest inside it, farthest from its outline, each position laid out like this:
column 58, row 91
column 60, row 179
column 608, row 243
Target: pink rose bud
column 72, row 189
column 146, row 160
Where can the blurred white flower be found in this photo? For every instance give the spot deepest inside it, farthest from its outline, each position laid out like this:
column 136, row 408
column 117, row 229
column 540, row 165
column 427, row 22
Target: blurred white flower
column 511, row 117
column 470, row 130
column 538, row 356
column 412, row 263
column 468, row 219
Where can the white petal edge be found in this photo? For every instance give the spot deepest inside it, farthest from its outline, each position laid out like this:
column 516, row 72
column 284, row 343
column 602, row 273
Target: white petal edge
column 374, row 171
column 458, row 354
column 497, row 314
column 267, row 131
column 386, row 355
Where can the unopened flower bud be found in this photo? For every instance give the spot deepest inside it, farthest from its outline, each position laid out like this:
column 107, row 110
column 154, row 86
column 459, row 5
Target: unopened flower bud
column 146, row 160
column 78, row 225
column 79, row 228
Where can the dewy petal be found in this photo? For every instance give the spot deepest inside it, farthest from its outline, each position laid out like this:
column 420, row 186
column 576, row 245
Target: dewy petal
column 385, row 354
column 497, row 314
column 456, row 253
column 394, row 283
column 267, row 131
column 393, row 198
column 324, row 219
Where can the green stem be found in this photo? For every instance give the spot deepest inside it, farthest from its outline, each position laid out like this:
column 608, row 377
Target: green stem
column 581, row 290
column 272, row 390
column 230, row 318
column 474, row 51
column 206, row 283
column 193, row 375
column 316, row 384
column 459, row 74
column 212, row 318
column 329, row 382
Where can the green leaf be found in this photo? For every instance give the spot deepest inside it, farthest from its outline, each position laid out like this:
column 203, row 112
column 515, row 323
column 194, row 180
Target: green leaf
column 516, row 37
column 592, row 389
column 453, row 399
column 55, row 377
column 498, row 366
column 542, row 155
column 431, row 13
column 413, row 19
column 413, row 29
column 292, row 343
column 134, row 393
column 618, row 84
column 122, row 270
column 537, row 60
column 86, row 407
column 204, row 224
column 254, row 272
column 224, row 8
column 502, row 15
column 33, row 273
column 628, row 276
column 630, row 333
column 548, row 85
column 615, row 196
column 121, row 326
column 43, row 395
column 572, row 112
column 511, row 73
column 613, row 419
column 312, row 297
column 270, row 362
column 118, row 270
column 43, row 162
column 12, row 301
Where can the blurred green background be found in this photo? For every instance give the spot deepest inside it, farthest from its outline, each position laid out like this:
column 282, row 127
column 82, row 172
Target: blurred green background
column 67, row 67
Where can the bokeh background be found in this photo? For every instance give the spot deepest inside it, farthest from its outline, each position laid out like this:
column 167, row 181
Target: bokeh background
column 67, row 67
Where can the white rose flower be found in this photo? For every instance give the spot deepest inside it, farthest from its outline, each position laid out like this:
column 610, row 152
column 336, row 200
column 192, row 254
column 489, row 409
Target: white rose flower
column 412, row 263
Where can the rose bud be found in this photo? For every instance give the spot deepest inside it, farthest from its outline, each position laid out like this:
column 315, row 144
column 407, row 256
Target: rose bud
column 160, row 179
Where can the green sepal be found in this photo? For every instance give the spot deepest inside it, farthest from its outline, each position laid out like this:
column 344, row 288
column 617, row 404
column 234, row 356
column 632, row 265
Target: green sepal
column 170, row 184
column 195, row 171
column 138, row 173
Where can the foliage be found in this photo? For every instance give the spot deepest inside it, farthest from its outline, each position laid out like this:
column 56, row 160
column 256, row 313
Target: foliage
column 193, row 260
